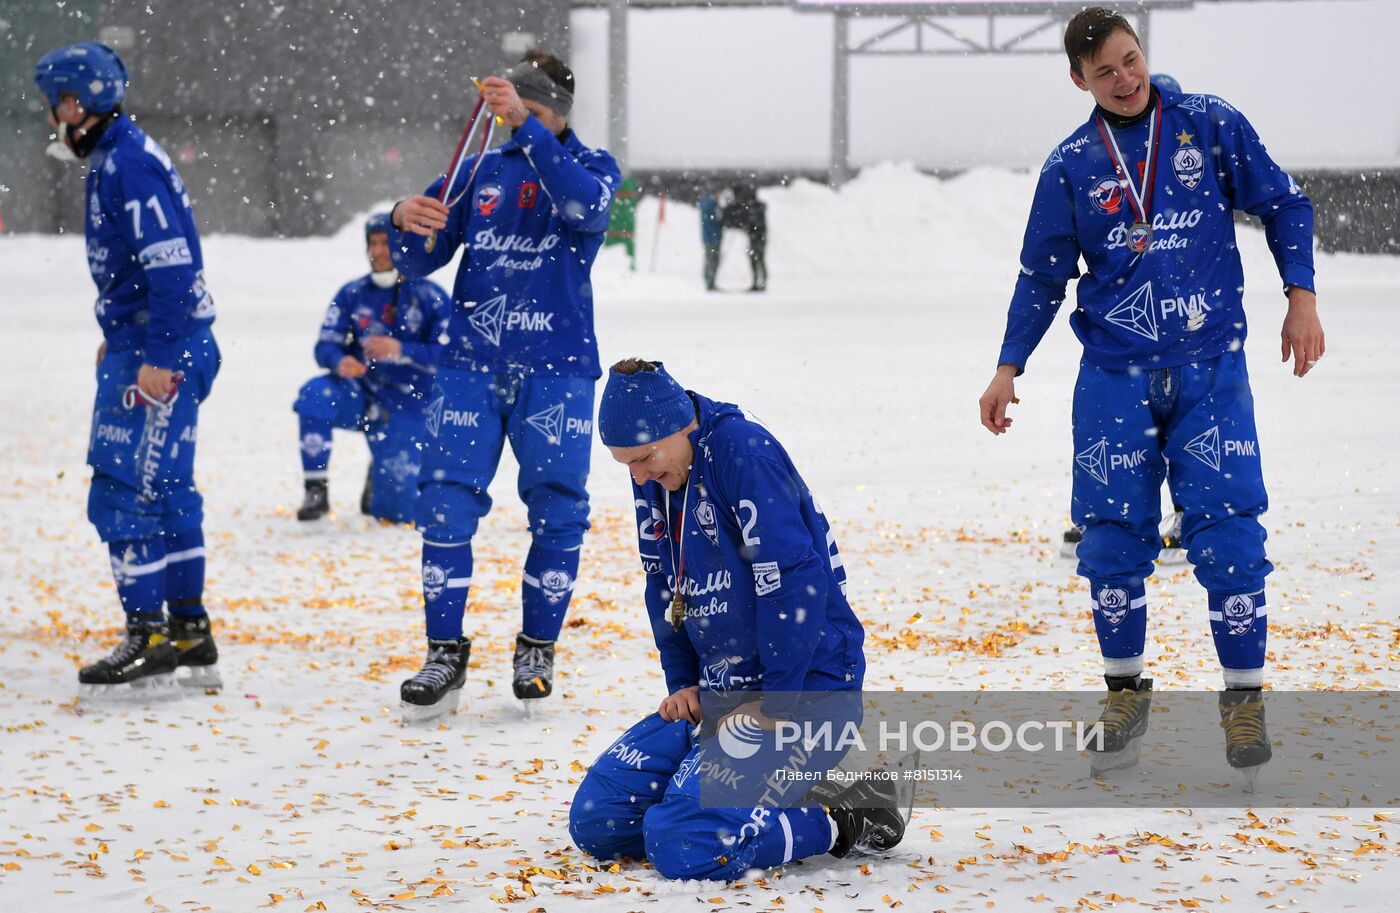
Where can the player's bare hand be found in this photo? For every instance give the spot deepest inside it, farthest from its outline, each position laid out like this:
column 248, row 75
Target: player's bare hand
column 382, row 347
column 502, row 99
column 101, row 351
column 420, row 215
column 683, row 705
column 350, row 367
column 155, row 382
column 1303, row 338
column 754, row 711
column 1001, row 392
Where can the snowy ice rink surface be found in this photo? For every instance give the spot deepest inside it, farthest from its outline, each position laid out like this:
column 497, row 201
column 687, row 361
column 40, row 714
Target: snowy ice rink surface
column 297, row 788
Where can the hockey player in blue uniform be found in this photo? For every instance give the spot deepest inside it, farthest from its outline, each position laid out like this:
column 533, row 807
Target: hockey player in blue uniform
column 1145, row 193
column 520, row 364
column 381, row 341
column 1172, row 552
column 156, row 365
column 745, row 590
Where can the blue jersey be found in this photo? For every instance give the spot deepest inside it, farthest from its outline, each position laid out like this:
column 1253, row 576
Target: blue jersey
column 143, row 248
column 1181, row 300
column 415, row 312
column 531, row 225
column 761, row 577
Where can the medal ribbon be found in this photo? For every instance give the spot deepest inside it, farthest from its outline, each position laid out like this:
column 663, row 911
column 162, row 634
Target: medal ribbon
column 678, row 557
column 1139, row 198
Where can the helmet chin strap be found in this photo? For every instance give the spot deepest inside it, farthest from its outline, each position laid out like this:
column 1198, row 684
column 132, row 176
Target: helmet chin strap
column 385, row 279
column 59, row 148
column 73, row 145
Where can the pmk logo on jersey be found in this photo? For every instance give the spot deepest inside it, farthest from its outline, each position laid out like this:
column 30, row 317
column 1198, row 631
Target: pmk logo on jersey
column 529, row 193
column 1113, row 604
column 1107, row 195
column 363, row 318
column 487, row 199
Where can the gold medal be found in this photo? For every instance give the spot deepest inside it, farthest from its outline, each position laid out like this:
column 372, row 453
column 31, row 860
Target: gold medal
column 677, row 611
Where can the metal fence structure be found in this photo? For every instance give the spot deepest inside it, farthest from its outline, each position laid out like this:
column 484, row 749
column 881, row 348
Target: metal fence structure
column 288, row 117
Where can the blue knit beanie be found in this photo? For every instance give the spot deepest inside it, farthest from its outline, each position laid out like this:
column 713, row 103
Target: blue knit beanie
column 643, row 407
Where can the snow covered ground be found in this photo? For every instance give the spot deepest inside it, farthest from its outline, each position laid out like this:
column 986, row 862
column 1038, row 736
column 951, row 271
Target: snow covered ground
column 297, row 788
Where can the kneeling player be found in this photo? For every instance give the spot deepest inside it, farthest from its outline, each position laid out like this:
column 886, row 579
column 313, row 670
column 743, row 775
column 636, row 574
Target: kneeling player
column 746, row 593
column 381, row 341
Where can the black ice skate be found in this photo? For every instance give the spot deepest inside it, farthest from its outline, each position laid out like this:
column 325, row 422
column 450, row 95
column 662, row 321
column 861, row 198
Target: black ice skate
column 871, row 816
column 534, row 668
column 437, row 688
column 1069, row 546
column 197, row 655
column 1172, row 552
column 1247, row 745
column 142, row 666
column 1124, row 721
column 317, row 502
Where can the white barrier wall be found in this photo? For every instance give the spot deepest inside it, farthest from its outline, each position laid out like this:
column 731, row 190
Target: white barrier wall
column 724, row 88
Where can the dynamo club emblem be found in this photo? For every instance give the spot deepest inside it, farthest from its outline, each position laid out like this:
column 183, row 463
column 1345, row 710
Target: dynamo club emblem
column 556, row 584
column 1107, row 195
column 487, row 199
column 705, row 516
column 434, row 581
column 1113, row 604
column 1238, row 612
column 1189, row 165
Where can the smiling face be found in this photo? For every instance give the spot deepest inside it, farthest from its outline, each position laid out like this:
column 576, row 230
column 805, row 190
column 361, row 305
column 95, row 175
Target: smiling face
column 1117, row 75
column 666, row 461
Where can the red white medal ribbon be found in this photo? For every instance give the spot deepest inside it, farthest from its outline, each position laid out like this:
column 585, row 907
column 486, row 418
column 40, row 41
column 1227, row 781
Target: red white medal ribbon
column 1140, row 198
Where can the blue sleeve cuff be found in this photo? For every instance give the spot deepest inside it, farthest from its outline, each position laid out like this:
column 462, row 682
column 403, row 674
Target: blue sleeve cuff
column 164, row 355
column 1299, row 276
column 1014, row 353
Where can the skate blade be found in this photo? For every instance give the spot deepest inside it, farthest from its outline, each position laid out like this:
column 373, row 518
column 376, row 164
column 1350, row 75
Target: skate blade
column 1250, row 776
column 1107, row 762
column 1172, row 556
column 531, row 707
column 426, row 713
column 197, row 677
column 149, row 688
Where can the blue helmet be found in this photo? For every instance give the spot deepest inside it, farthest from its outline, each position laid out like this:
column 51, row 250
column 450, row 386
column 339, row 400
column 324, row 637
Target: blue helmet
column 376, row 224
column 93, row 72
column 1165, row 83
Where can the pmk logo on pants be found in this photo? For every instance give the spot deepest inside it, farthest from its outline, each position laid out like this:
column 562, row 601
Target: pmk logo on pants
column 1208, row 448
column 1097, row 461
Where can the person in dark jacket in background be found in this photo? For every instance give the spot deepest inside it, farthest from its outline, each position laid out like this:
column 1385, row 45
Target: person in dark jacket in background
column 749, row 213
